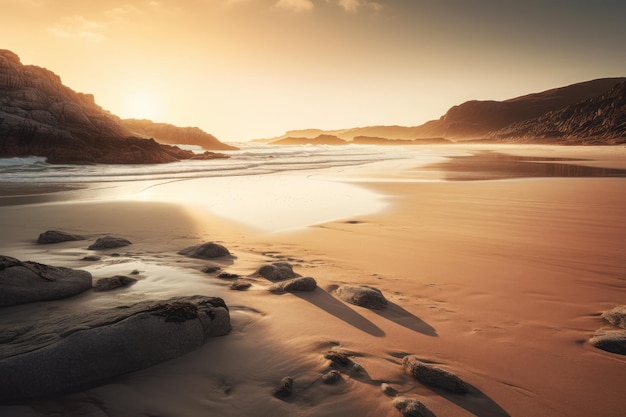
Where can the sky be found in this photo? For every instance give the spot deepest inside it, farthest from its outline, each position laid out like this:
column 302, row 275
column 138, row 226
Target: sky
column 247, row 69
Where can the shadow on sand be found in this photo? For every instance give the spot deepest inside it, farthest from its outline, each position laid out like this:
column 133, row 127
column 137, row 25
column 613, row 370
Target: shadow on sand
column 475, row 402
column 331, row 305
column 405, row 318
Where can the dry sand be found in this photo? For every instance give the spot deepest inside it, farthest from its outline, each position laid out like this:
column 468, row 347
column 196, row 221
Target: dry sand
column 500, row 281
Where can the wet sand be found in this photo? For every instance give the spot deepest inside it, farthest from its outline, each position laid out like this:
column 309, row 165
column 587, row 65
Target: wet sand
column 500, row 281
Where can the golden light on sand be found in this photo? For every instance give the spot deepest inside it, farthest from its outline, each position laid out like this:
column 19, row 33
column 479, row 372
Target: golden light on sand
column 142, row 104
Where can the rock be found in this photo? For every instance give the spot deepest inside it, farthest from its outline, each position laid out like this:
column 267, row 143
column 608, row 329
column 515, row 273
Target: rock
column 362, row 295
column 117, row 281
column 210, row 269
column 432, row 375
column 293, row 285
column 25, row 282
column 388, row 389
column 228, row 275
column 277, row 271
column 56, row 236
column 109, row 242
column 331, row 377
column 613, row 341
column 69, row 352
column 284, row 388
column 338, row 358
column 616, row 316
column 240, row 285
column 410, row 407
column 207, row 250
column 39, row 116
column 90, row 258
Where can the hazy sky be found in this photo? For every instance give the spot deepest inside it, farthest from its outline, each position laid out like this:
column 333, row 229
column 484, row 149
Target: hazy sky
column 244, row 69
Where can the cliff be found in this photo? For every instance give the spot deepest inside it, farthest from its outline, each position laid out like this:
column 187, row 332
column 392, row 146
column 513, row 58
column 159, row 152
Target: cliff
column 40, row 116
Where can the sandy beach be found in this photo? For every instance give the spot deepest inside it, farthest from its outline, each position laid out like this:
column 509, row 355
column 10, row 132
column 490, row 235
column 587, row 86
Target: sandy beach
column 496, row 274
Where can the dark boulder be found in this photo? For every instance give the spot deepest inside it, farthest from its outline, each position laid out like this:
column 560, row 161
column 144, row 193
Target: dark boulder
column 109, row 242
column 68, row 352
column 277, row 271
column 613, row 341
column 57, row 236
column 25, row 282
column 240, row 285
column 432, row 375
column 331, row 377
column 207, row 250
column 111, row 283
column 294, row 285
column 362, row 295
column 284, row 388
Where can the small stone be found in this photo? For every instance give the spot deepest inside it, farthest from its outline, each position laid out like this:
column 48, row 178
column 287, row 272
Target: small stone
column 135, row 272
column 362, row 295
column 108, row 242
column 432, row 375
column 338, row 358
column 240, row 285
column 210, row 269
column 117, row 281
column 207, row 250
column 331, row 377
column 293, row 285
column 410, row 407
column 227, row 275
column 388, row 389
column 284, row 388
column 91, row 258
column 56, row 236
column 278, row 271
column 616, row 316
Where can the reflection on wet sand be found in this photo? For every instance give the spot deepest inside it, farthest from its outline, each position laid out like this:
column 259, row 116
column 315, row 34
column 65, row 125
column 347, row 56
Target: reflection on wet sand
column 493, row 166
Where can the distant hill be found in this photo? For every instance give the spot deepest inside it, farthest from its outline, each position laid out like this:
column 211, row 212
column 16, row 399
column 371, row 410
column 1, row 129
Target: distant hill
column 599, row 120
column 371, row 140
column 174, row 135
column 39, row 116
column 495, row 120
column 318, row 140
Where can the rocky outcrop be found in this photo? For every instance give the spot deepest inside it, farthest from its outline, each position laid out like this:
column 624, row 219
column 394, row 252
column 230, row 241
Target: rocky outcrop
column 433, row 375
column 362, row 295
column 411, row 407
column 174, row 135
column 610, row 340
column 65, row 353
column 25, row 282
column 599, row 120
column 616, row 316
column 39, row 116
column 109, row 242
column 209, row 250
column 57, row 236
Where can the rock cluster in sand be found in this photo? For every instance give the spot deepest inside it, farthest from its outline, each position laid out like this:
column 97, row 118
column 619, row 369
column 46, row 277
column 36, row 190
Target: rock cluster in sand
column 612, row 339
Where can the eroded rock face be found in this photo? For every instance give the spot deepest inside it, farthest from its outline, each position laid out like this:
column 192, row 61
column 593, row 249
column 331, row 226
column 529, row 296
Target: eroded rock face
column 39, row 116
column 294, row 285
column 362, row 295
column 64, row 353
column 25, row 282
column 433, row 375
column 109, row 242
column 209, row 250
column 57, row 236
column 410, row 407
column 277, row 271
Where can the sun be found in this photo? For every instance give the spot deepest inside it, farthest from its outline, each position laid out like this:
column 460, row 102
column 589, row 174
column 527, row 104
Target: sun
column 143, row 104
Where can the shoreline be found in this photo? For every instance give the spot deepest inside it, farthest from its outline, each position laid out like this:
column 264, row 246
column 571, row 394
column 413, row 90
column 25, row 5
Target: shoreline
column 500, row 281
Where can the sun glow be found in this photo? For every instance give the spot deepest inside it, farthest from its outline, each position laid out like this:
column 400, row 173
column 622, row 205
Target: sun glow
column 144, row 105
